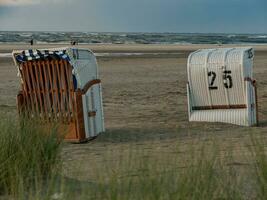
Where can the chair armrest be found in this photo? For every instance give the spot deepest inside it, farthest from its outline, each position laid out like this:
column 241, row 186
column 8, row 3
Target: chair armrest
column 89, row 84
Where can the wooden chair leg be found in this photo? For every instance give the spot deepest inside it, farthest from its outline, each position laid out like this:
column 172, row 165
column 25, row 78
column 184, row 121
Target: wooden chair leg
column 79, row 115
column 20, row 102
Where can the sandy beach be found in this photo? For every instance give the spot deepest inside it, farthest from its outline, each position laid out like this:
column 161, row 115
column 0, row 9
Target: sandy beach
column 144, row 100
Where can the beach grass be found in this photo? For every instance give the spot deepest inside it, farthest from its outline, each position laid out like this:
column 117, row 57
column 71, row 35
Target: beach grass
column 31, row 168
column 258, row 151
column 29, row 156
column 141, row 174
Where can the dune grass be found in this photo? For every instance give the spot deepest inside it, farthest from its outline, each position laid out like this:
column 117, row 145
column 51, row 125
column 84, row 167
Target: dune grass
column 200, row 169
column 31, row 168
column 29, row 156
column 140, row 174
column 259, row 156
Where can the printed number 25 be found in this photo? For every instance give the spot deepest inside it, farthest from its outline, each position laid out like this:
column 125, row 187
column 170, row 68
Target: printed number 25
column 227, row 80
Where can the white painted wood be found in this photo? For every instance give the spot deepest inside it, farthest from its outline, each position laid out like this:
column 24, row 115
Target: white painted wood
column 216, row 78
column 86, row 69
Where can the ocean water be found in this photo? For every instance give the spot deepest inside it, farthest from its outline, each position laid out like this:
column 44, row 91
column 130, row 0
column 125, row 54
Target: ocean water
column 131, row 38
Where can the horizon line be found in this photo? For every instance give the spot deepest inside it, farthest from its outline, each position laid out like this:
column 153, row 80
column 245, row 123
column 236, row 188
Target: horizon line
column 149, row 32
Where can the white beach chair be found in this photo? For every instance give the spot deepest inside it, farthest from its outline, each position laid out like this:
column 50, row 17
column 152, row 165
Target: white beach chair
column 221, row 87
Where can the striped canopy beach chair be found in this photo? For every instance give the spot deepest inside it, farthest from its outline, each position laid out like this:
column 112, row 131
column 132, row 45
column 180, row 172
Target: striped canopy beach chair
column 61, row 85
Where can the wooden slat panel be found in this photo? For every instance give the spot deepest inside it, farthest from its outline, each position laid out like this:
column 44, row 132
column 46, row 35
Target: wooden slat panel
column 38, row 89
column 26, row 66
column 60, row 88
column 68, row 69
column 51, row 89
column 25, row 88
column 56, row 93
column 32, row 79
column 46, row 89
column 64, row 91
column 43, row 93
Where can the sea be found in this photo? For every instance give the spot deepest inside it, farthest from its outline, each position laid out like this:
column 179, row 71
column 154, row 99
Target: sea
column 130, row 38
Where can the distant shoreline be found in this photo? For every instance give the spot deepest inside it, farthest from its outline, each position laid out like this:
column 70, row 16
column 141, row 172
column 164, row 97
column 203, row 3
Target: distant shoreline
column 129, row 48
column 102, row 38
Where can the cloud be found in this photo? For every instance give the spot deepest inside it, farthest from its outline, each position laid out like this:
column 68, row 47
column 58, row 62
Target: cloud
column 17, row 2
column 26, row 2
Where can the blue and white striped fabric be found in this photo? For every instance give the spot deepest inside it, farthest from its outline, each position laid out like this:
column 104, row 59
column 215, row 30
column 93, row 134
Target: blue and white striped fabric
column 28, row 55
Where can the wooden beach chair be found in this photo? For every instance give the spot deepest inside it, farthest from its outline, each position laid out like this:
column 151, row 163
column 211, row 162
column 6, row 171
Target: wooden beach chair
column 62, row 86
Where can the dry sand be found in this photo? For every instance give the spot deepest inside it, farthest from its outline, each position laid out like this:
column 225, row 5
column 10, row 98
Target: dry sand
column 144, row 102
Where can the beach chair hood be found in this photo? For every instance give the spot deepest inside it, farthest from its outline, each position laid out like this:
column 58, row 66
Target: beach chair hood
column 83, row 61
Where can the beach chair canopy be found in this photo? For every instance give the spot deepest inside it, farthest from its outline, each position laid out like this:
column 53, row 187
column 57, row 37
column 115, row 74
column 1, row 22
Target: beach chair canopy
column 221, row 86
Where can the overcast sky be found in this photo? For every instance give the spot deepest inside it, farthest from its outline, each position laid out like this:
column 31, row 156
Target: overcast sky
column 210, row 16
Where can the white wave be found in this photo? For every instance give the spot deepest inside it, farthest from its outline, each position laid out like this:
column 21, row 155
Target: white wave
column 231, row 36
column 41, row 42
column 181, row 43
column 258, row 37
column 93, row 34
column 25, row 35
column 5, row 55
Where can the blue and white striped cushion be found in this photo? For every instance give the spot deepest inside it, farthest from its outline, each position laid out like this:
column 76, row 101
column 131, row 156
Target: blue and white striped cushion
column 28, row 55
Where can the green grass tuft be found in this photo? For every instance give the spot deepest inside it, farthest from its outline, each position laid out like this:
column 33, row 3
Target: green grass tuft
column 29, row 156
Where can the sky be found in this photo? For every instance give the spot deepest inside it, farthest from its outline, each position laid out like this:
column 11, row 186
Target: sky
column 182, row 16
